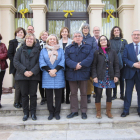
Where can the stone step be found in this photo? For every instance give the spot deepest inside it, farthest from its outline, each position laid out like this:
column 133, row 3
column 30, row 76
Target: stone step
column 76, row 123
column 99, row 134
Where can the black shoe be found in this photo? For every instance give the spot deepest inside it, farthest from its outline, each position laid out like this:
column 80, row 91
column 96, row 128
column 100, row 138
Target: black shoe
column 50, row 116
column 122, row 97
column 114, row 97
column 124, row 114
column 94, row 95
column 25, row 117
column 67, row 102
column 33, row 116
column 73, row 114
column 0, row 106
column 84, row 116
column 57, row 117
column 88, row 100
column 42, row 102
column 17, row 105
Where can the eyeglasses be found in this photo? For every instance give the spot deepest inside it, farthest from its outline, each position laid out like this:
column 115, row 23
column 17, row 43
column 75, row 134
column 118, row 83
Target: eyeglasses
column 102, row 40
column 30, row 29
column 136, row 34
column 85, row 28
column 77, row 36
column 96, row 30
column 29, row 39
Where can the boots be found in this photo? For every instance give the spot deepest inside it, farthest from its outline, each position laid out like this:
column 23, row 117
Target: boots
column 98, row 110
column 108, row 109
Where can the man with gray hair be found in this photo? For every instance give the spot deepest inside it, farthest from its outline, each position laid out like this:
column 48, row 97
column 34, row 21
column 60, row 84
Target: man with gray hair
column 131, row 57
column 78, row 57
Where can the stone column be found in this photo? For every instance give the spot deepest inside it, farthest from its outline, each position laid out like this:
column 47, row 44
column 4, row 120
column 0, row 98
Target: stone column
column 94, row 9
column 126, row 18
column 7, row 29
column 39, row 16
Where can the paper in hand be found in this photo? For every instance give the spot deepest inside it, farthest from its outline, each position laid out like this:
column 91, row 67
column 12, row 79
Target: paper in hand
column 138, row 56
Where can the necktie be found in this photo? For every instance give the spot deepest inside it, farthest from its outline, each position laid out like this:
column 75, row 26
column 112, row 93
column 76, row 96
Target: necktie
column 136, row 49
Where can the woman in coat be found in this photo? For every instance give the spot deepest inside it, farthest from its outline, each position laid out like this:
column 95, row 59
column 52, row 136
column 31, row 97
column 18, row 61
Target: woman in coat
column 42, row 41
column 117, row 44
column 3, row 64
column 13, row 44
column 52, row 63
column 26, row 62
column 105, row 73
column 64, row 42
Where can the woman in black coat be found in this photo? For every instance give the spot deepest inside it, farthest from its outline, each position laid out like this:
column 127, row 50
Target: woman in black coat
column 26, row 62
column 13, row 44
column 105, row 73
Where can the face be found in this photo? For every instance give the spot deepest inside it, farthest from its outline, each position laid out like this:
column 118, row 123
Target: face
column 78, row 38
column 52, row 41
column 85, row 30
column 30, row 41
column 20, row 34
column 103, row 41
column 136, row 37
column 64, row 33
column 116, row 32
column 30, row 29
column 96, row 32
column 44, row 36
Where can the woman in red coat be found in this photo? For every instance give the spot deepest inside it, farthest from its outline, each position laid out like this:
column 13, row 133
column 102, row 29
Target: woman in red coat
column 3, row 64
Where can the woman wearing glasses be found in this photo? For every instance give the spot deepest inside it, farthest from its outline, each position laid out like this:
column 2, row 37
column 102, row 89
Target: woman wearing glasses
column 105, row 73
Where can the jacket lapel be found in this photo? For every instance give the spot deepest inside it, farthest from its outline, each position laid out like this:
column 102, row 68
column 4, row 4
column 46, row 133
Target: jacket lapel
column 133, row 52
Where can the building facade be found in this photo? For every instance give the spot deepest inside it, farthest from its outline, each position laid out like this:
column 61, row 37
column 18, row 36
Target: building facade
column 49, row 15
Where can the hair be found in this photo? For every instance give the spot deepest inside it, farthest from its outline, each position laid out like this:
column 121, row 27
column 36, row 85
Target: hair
column 77, row 32
column 47, row 41
column 135, row 30
column 108, row 43
column 30, row 25
column 43, row 33
column 0, row 37
column 19, row 29
column 85, row 25
column 28, row 35
column 67, row 30
column 112, row 32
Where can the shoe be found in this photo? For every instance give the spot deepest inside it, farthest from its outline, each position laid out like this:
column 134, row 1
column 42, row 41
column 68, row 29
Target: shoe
column 17, row 105
column 88, row 100
column 84, row 116
column 114, row 97
column 94, row 95
column 98, row 110
column 57, row 117
column 25, row 117
column 108, row 109
column 42, row 102
column 122, row 97
column 67, row 102
column 0, row 106
column 50, row 116
column 124, row 114
column 73, row 114
column 33, row 116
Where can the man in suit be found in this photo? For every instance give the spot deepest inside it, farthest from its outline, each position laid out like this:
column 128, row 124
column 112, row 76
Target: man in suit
column 132, row 71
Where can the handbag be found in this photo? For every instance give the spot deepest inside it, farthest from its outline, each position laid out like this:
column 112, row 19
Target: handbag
column 120, row 58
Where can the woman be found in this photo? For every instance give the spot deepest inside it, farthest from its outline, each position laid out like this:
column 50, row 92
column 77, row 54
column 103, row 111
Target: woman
column 52, row 63
column 13, row 44
column 42, row 41
column 26, row 61
column 87, row 39
column 3, row 64
column 105, row 73
column 118, row 44
column 64, row 42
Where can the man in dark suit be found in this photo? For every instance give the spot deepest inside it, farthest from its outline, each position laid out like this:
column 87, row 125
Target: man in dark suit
column 132, row 71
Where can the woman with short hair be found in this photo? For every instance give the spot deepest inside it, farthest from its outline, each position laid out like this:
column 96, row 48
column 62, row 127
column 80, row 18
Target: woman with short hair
column 26, row 62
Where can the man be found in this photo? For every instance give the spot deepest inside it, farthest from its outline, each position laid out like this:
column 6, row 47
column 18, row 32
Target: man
column 132, row 71
column 96, row 32
column 78, row 58
column 30, row 29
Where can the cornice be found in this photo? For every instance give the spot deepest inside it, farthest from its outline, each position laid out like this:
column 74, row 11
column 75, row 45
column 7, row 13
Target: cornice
column 125, row 7
column 39, row 7
column 97, row 6
column 9, row 6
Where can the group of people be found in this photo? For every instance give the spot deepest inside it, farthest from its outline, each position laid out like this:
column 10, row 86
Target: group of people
column 85, row 62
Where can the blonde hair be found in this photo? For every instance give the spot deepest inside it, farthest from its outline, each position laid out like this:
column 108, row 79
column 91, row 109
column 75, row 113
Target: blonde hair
column 30, row 34
column 43, row 33
column 47, row 41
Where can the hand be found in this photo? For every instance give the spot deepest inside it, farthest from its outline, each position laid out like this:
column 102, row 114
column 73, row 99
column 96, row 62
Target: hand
column 78, row 66
column 95, row 80
column 26, row 73
column 137, row 65
column 115, row 79
column 30, row 73
column 52, row 72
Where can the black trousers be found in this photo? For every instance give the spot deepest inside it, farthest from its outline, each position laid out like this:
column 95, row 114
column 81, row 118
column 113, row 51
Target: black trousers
column 28, row 88
column 58, row 93
column 67, row 91
column 2, row 73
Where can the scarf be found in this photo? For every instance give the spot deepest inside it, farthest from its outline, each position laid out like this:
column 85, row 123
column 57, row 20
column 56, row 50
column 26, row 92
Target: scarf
column 103, row 48
column 20, row 42
column 52, row 52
